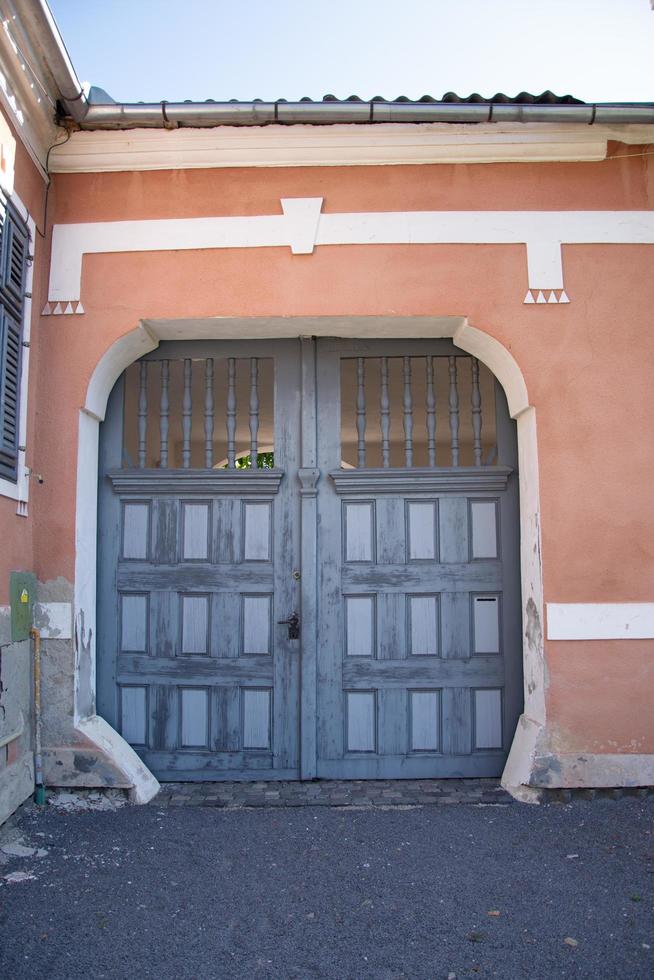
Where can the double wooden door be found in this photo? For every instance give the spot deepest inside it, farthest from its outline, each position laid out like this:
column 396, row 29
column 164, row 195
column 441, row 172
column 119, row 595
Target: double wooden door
column 367, row 490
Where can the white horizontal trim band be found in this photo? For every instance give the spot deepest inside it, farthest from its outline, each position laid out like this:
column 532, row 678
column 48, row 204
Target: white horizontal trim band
column 600, row 620
column 302, row 226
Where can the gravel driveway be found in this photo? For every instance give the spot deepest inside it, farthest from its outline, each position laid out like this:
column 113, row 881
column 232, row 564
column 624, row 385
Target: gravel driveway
column 417, row 892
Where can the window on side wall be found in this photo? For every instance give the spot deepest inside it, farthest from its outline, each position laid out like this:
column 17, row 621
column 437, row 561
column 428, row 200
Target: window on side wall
column 14, row 252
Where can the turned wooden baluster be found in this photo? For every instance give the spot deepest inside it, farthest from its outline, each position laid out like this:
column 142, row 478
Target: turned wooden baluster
column 231, row 413
column 475, row 399
column 430, row 405
column 208, row 413
column 187, row 410
column 254, row 411
column 361, row 412
column 385, row 413
column 143, row 412
column 454, row 412
column 164, row 412
column 408, row 413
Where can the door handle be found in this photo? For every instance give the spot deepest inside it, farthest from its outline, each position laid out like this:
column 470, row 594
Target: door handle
column 293, row 623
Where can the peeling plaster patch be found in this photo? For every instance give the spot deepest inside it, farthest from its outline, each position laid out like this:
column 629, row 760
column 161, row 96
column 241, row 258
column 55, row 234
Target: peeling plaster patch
column 546, row 771
column 82, row 768
column 534, row 640
column 84, row 652
column 84, row 763
column 533, row 629
column 54, row 620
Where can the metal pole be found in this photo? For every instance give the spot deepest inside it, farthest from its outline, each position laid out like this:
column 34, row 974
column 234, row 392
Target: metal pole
column 39, row 788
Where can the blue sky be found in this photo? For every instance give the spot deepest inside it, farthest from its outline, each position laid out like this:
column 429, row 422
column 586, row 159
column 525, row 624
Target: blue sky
column 148, row 50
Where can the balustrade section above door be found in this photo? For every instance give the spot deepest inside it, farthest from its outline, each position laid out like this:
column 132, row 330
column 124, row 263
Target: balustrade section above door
column 199, row 413
column 417, row 411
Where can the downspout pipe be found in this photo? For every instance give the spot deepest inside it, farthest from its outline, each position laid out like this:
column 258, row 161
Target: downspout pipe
column 39, row 785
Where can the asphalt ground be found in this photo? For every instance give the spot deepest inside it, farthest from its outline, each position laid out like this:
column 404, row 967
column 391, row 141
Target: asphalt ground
column 327, row 892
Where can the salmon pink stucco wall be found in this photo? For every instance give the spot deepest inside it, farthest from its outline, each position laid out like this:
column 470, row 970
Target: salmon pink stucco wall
column 587, row 365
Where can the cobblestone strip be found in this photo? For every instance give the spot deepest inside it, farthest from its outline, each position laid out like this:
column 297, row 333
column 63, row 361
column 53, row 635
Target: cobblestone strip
column 368, row 793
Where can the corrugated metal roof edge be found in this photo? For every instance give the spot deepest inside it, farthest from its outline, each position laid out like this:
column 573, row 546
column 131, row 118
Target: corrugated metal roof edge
column 99, row 96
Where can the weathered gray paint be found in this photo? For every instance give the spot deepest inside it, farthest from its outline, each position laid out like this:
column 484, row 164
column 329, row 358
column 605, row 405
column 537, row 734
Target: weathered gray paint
column 421, row 530
column 195, row 624
column 194, row 674
column 257, row 531
column 425, row 721
column 307, row 570
column 256, row 614
column 488, row 718
column 134, row 622
column 361, row 721
column 360, row 626
column 406, row 671
column 133, row 714
column 446, row 692
column 359, row 531
column 194, row 710
column 196, row 534
column 483, row 520
column 423, row 625
column 136, row 530
column 256, row 719
column 486, row 624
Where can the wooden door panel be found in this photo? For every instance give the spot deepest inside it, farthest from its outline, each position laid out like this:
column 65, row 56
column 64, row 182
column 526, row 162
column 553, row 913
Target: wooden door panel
column 196, row 568
column 419, row 649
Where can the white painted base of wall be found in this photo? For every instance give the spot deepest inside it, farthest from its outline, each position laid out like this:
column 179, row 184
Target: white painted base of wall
column 588, row 771
column 520, row 764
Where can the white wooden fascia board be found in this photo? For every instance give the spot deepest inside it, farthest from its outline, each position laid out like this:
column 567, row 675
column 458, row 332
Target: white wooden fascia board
column 339, row 145
column 301, row 226
column 600, row 620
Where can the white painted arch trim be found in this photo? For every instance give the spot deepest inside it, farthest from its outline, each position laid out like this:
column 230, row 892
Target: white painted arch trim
column 600, row 620
column 302, row 226
column 145, row 337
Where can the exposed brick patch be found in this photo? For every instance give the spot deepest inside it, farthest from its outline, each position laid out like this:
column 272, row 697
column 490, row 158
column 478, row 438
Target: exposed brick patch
column 12, row 751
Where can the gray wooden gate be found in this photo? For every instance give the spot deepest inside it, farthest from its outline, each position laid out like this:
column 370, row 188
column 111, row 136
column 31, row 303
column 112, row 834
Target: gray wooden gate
column 371, row 487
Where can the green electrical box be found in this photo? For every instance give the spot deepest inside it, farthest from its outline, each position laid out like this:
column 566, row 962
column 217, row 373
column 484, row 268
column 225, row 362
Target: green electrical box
column 22, row 593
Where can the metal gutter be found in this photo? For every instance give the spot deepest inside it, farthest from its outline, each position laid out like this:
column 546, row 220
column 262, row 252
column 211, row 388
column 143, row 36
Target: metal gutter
column 171, row 115
column 38, row 24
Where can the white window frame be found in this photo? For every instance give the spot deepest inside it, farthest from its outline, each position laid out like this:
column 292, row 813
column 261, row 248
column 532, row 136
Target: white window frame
column 19, row 491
